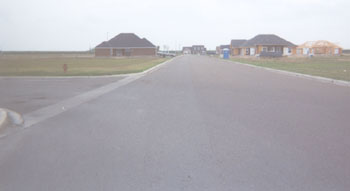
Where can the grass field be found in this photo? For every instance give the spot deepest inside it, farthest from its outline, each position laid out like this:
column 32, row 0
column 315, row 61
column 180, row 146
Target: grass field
column 331, row 67
column 78, row 64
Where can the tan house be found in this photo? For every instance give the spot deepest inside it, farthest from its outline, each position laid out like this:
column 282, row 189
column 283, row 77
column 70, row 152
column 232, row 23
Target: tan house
column 125, row 44
column 267, row 45
column 320, row 47
column 235, row 46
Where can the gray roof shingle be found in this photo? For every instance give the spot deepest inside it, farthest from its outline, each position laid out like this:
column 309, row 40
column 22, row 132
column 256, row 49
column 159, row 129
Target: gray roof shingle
column 237, row 42
column 126, row 40
column 267, row 39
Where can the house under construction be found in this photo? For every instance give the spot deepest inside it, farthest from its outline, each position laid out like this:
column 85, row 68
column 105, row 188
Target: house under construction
column 320, row 47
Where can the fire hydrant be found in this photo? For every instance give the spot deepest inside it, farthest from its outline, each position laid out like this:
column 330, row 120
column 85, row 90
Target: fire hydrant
column 65, row 68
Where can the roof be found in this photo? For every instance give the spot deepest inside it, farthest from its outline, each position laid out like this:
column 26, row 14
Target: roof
column 318, row 44
column 224, row 46
column 267, row 39
column 237, row 42
column 126, row 40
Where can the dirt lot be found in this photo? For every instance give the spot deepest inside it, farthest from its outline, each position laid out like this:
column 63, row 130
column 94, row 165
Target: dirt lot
column 336, row 67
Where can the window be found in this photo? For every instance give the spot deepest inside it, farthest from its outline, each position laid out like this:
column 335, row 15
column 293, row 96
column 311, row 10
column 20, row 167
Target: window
column 336, row 51
column 264, row 49
column 278, row 49
column 271, row 49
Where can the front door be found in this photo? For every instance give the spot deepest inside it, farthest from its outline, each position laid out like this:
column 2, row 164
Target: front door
column 252, row 51
column 247, row 51
column 336, row 51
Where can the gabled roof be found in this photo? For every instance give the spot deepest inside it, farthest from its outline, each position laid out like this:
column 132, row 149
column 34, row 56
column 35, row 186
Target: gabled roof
column 224, row 46
column 267, row 39
column 318, row 44
column 126, row 40
column 198, row 46
column 237, row 42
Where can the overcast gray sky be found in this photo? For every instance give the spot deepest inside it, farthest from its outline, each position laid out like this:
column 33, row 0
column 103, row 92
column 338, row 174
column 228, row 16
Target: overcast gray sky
column 79, row 24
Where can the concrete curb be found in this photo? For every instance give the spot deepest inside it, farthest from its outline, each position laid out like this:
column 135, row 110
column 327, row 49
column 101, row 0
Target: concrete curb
column 14, row 117
column 3, row 117
column 156, row 67
column 304, row 76
column 86, row 77
column 9, row 115
column 9, row 118
column 64, row 77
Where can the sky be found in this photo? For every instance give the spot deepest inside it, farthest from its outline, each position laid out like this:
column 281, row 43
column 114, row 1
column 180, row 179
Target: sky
column 75, row 25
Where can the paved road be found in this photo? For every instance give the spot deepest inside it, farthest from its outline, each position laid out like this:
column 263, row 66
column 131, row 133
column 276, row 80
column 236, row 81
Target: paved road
column 197, row 123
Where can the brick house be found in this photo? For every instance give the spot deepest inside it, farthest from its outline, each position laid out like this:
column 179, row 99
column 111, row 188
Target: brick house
column 269, row 45
column 199, row 49
column 195, row 49
column 125, row 44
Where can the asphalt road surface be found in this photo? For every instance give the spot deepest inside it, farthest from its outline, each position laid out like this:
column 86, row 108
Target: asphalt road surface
column 196, row 123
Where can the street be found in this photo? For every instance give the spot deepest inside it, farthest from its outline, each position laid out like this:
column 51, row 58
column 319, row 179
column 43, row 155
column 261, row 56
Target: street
column 195, row 123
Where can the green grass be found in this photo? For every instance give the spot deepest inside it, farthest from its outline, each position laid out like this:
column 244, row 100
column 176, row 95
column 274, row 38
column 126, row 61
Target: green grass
column 51, row 64
column 337, row 67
